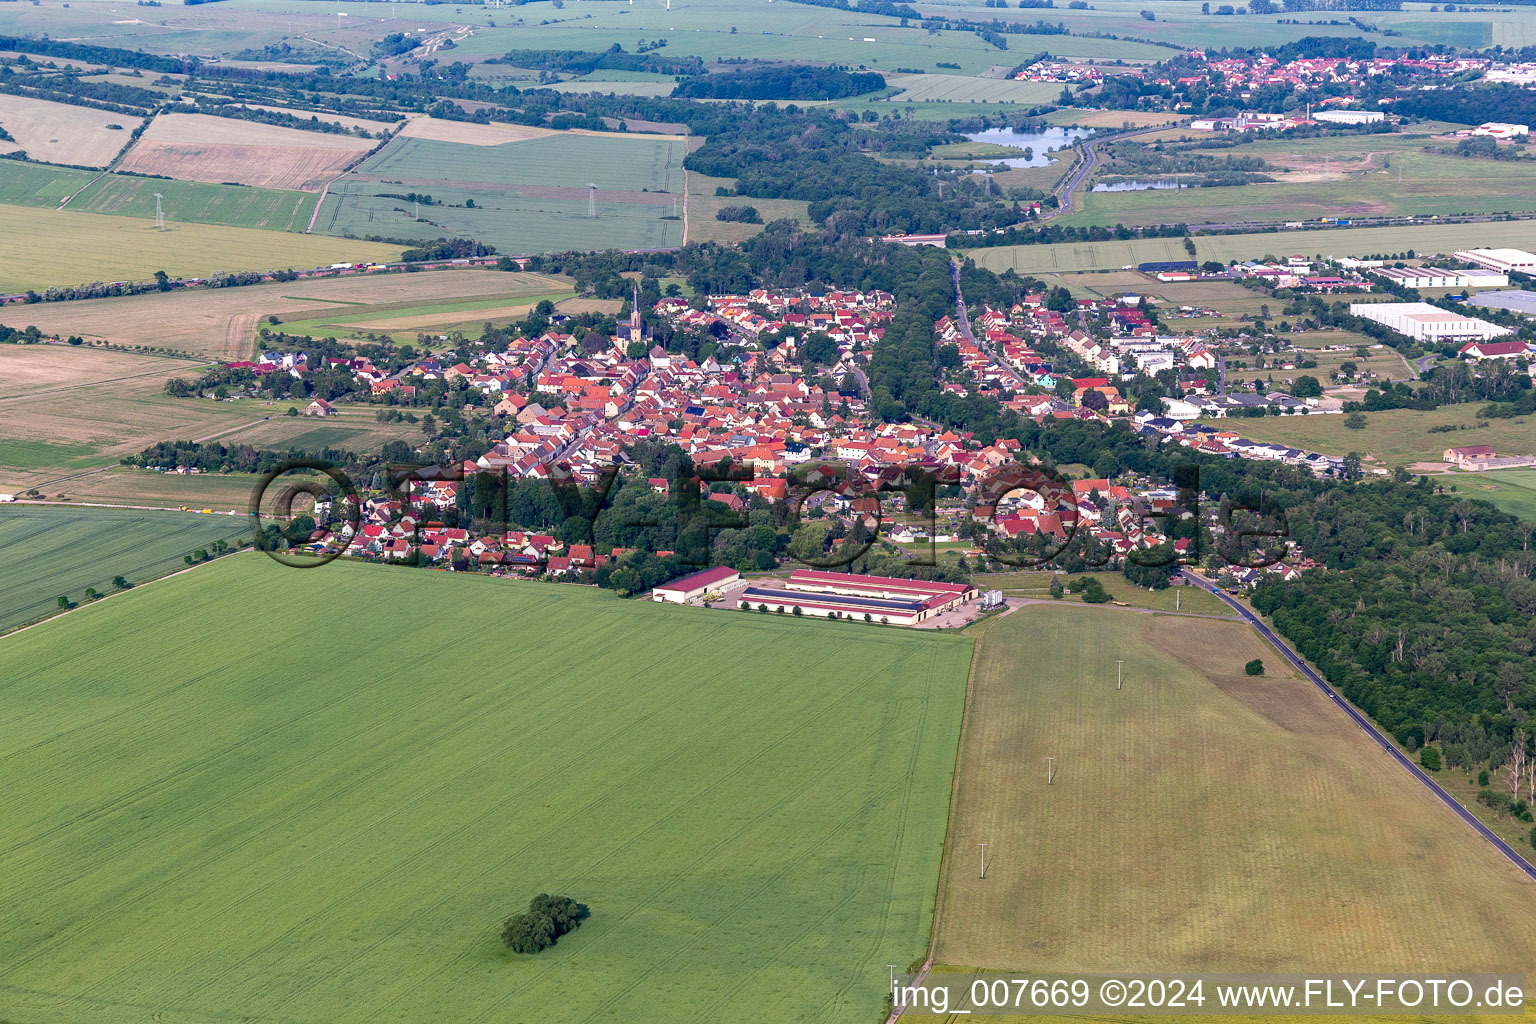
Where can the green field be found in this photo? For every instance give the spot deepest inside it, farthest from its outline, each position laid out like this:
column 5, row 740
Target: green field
column 1513, row 490
column 238, row 206
column 27, row 184
column 50, row 550
column 1431, row 185
column 1397, row 437
column 962, row 89
column 1198, row 818
column 529, row 196
column 1424, row 238
column 86, row 247
column 331, row 825
column 128, row 195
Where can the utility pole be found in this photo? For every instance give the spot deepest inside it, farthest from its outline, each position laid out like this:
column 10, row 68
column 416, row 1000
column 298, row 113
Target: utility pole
column 983, row 859
column 1050, row 763
column 416, row 208
column 159, row 213
column 1176, row 595
column 1119, row 674
column 591, row 199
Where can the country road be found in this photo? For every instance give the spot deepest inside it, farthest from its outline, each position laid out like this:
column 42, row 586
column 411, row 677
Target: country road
column 1083, row 166
column 1369, row 729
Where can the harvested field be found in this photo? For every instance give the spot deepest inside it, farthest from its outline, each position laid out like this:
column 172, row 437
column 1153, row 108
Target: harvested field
column 201, row 147
column 1254, row 826
column 220, row 323
column 73, row 409
column 63, row 134
column 85, row 247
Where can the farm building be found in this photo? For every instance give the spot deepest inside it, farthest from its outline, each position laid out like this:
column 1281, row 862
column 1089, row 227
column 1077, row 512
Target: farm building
column 848, row 596
column 1470, row 453
column 1480, row 350
column 695, row 586
column 1425, row 323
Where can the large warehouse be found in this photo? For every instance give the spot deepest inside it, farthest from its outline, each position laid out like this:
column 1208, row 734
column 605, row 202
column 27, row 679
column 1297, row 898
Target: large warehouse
column 1502, row 260
column 691, row 588
column 839, row 595
column 1425, row 323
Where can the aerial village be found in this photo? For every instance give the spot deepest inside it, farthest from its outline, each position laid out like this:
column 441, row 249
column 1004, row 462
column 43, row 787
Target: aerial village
column 573, row 411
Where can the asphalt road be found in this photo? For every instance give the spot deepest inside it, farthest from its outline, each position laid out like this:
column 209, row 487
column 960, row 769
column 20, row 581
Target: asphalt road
column 1090, row 157
column 1370, row 730
column 964, row 321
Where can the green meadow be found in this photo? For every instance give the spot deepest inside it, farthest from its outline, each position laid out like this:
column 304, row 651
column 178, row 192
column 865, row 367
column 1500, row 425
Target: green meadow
column 283, row 795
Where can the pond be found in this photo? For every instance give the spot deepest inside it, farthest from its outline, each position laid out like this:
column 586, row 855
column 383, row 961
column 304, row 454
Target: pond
column 1136, row 186
column 1040, row 143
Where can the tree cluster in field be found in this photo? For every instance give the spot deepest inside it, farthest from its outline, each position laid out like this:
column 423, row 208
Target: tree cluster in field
column 447, row 249
column 781, row 82
column 394, row 44
column 1254, row 667
column 88, row 54
column 739, row 214
column 1090, row 589
column 884, row 8
column 543, row 923
column 581, row 62
column 1048, row 234
column 212, row 457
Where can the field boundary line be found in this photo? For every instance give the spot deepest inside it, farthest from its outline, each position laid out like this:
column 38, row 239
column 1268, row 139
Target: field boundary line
column 324, row 191
column 949, row 814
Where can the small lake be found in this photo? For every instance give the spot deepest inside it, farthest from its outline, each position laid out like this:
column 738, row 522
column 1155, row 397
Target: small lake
column 1041, row 142
column 1136, row 186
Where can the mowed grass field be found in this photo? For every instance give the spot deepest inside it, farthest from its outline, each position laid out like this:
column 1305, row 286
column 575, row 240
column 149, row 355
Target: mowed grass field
column 1440, row 185
column 1423, row 238
column 1199, row 818
column 703, row 204
column 1513, row 490
column 930, row 88
column 84, row 247
column 1397, row 437
column 221, row 323
column 333, row 829
column 49, row 551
